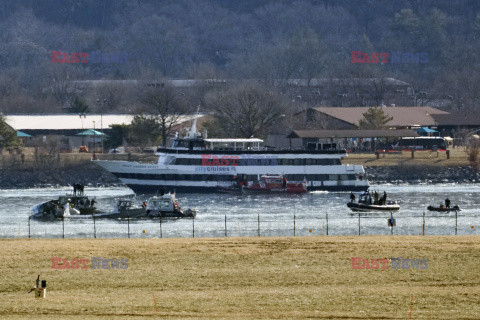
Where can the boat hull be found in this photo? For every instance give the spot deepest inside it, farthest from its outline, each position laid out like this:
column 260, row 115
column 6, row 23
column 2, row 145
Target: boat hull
column 152, row 189
column 372, row 207
column 438, row 209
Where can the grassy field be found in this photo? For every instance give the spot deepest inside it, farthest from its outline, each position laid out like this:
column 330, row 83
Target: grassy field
column 458, row 157
column 244, row 278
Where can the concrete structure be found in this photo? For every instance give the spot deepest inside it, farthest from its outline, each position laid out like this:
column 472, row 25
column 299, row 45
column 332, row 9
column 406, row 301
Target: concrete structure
column 66, row 127
column 355, row 140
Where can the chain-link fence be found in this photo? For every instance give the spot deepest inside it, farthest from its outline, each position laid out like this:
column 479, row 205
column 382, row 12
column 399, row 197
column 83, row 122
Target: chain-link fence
column 251, row 225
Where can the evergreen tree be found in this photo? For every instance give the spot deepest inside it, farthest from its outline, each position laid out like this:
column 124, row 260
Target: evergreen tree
column 374, row 118
column 78, row 105
column 116, row 136
column 8, row 135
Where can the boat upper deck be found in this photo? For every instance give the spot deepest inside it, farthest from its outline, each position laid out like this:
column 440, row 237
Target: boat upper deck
column 238, row 152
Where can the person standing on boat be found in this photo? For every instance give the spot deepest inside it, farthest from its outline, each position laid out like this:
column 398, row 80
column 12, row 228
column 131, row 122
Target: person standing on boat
column 352, row 197
column 447, row 203
column 384, row 198
column 66, row 209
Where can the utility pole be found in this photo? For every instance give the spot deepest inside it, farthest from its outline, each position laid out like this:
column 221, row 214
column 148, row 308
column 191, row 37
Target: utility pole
column 100, row 105
column 94, row 140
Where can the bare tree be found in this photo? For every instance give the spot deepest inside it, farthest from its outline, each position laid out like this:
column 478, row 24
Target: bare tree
column 247, row 110
column 462, row 87
column 164, row 103
column 62, row 85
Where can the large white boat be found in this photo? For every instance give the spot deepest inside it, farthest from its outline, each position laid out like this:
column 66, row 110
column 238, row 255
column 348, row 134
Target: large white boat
column 194, row 164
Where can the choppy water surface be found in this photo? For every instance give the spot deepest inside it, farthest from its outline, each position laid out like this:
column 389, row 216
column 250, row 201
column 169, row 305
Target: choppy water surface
column 250, row 215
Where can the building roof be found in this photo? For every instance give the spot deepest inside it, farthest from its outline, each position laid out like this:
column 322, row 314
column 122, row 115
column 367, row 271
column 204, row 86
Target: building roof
column 21, row 134
column 182, row 83
column 402, row 116
column 386, row 133
column 320, row 82
column 457, row 119
column 71, row 121
column 229, row 140
column 425, row 130
column 90, row 132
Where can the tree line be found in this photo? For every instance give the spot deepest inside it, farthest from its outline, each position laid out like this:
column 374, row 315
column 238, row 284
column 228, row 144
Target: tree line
column 272, row 41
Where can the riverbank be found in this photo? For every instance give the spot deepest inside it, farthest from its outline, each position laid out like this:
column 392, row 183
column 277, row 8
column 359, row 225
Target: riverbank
column 244, row 278
column 90, row 174
column 66, row 169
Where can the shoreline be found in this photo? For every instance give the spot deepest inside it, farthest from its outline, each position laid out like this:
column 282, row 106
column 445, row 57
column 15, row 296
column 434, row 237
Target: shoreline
column 92, row 175
column 66, row 169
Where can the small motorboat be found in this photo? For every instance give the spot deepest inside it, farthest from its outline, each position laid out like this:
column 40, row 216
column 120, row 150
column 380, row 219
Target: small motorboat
column 166, row 205
column 124, row 209
column 442, row 208
column 365, row 203
column 78, row 204
column 266, row 184
column 389, row 206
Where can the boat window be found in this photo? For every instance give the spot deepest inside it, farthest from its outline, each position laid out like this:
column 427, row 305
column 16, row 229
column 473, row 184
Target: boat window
column 295, row 177
column 188, row 161
column 299, row 162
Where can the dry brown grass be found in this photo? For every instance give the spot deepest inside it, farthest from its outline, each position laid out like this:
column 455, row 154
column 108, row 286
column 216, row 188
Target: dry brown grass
column 244, row 278
column 458, row 157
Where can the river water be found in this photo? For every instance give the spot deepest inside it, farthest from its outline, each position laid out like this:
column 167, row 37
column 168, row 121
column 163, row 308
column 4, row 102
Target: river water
column 250, row 215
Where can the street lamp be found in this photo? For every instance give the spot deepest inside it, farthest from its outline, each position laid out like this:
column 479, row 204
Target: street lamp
column 102, row 103
column 82, row 116
column 94, row 140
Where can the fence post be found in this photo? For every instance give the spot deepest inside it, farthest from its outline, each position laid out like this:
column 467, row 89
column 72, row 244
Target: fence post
column 128, row 226
column 28, row 227
column 327, row 223
column 258, row 225
column 94, row 228
column 225, row 225
column 391, row 227
column 423, row 225
column 294, row 224
column 193, row 227
column 63, row 227
column 160, row 221
column 456, row 219
column 359, row 223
